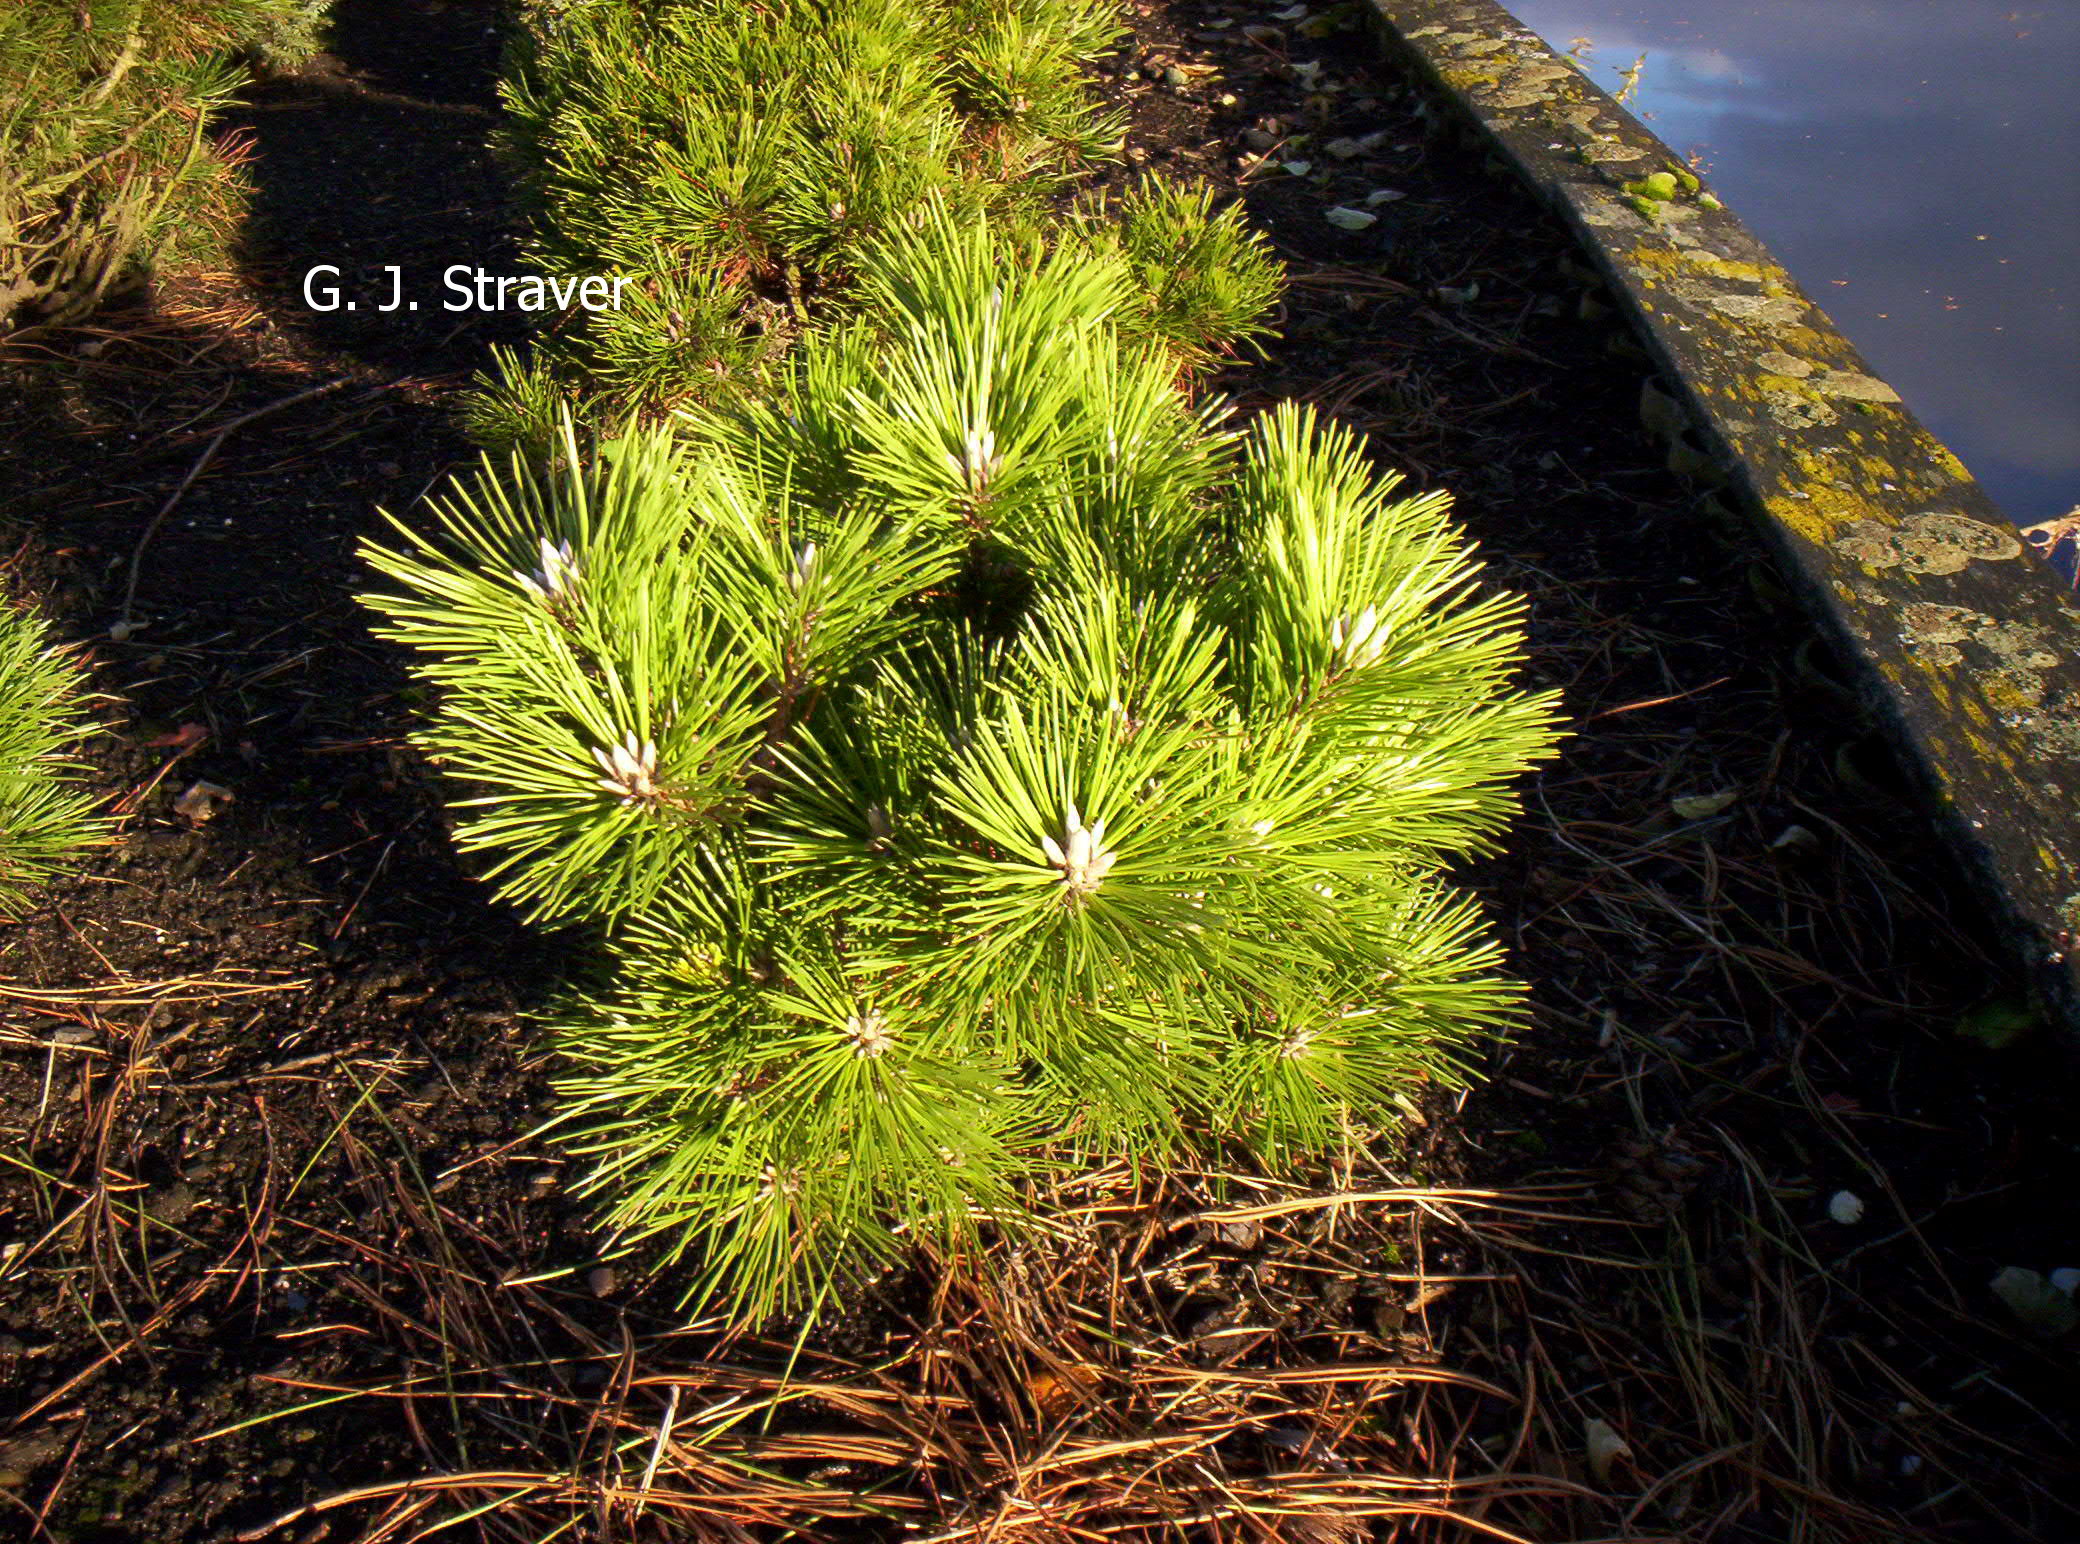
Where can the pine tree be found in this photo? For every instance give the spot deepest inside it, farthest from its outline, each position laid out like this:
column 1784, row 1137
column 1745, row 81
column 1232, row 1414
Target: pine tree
column 738, row 172
column 44, row 817
column 106, row 166
column 977, row 758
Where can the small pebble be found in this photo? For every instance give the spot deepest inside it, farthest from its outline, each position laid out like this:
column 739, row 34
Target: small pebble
column 601, row 1279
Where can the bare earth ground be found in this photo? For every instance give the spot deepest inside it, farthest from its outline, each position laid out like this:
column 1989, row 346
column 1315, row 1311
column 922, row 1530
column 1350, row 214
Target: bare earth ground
column 280, row 1260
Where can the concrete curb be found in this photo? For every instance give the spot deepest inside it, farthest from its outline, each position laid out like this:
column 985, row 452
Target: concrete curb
column 1967, row 644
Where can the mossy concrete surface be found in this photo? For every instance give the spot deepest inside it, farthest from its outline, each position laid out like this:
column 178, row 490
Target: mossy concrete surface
column 1966, row 643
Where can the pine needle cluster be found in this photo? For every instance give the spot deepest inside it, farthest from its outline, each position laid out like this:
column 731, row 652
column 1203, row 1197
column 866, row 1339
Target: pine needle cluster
column 977, row 758
column 105, row 162
column 736, row 160
column 44, row 817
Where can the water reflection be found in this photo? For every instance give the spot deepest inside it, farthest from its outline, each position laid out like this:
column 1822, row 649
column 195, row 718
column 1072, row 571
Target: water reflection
column 1913, row 162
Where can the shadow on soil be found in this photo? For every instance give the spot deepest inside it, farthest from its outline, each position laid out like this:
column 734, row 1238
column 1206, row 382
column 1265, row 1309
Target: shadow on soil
column 228, row 1044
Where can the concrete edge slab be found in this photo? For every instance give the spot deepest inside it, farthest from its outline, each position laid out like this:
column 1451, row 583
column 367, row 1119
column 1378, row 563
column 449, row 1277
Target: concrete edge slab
column 1967, row 644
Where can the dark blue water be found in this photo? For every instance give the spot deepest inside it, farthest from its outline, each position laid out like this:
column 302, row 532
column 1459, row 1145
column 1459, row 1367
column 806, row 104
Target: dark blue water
column 1916, row 165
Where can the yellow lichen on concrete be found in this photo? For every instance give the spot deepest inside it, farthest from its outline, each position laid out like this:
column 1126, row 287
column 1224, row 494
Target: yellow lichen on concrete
column 2013, row 691
column 1469, row 80
column 1979, row 667
column 1983, row 673
column 1651, row 260
column 2057, row 737
column 1932, row 542
column 2008, row 659
column 1931, row 622
column 1949, row 461
column 1807, row 340
column 1855, row 385
column 1717, row 267
column 1794, row 409
column 1962, row 713
column 1800, row 401
column 1770, row 310
column 1818, row 512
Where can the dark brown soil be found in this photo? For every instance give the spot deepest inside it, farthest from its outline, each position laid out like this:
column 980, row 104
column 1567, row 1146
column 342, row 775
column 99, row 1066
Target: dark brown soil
column 267, row 1107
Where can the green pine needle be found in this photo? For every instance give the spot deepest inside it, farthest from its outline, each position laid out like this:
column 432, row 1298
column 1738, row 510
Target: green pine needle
column 45, row 818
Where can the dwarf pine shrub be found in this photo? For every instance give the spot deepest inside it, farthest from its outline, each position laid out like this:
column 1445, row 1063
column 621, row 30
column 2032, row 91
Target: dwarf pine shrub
column 44, row 817
column 977, row 758
column 735, row 160
column 105, row 161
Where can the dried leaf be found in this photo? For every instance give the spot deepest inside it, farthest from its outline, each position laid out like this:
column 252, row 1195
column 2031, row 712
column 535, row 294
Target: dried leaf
column 187, row 737
column 1703, row 806
column 1794, row 838
column 200, row 801
column 1605, row 1447
column 1999, row 1022
column 1380, row 196
column 1345, row 218
column 2042, row 1308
